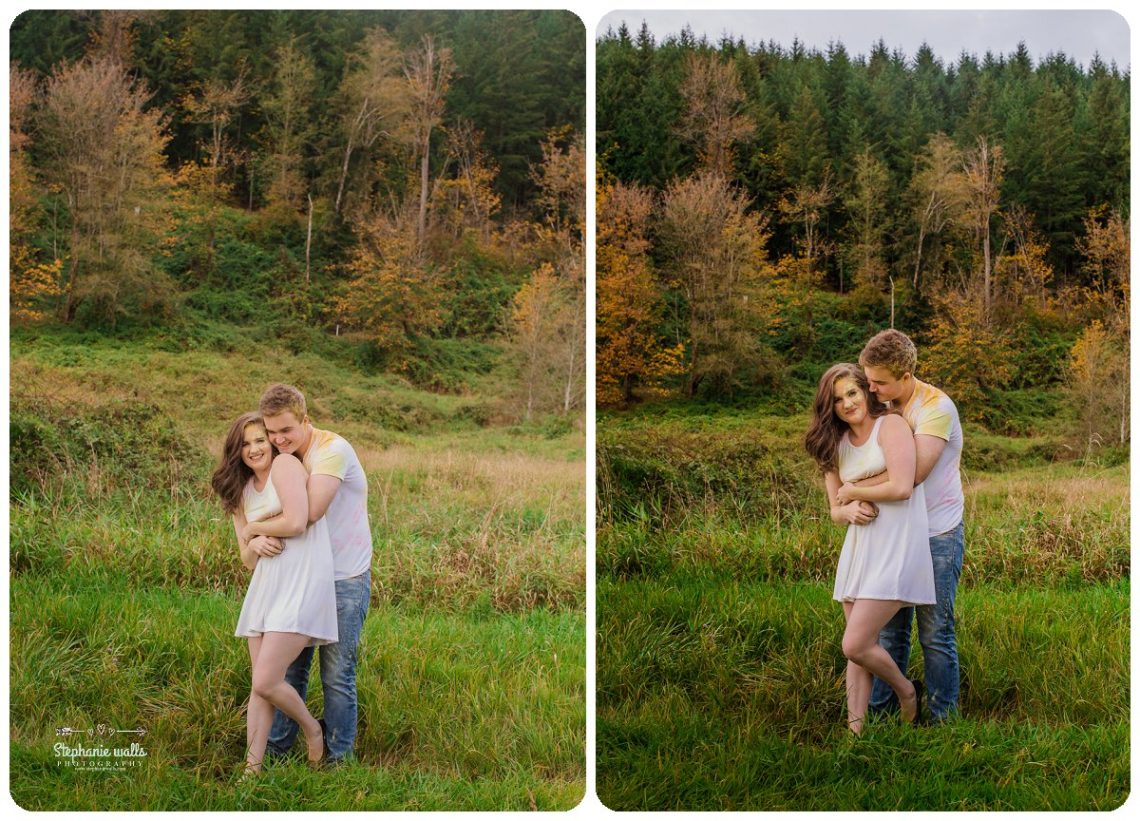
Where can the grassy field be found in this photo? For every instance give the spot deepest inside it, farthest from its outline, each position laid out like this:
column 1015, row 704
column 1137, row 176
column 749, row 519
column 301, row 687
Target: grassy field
column 720, row 674
column 125, row 587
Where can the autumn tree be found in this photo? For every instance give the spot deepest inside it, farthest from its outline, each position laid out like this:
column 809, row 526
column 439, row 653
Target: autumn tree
column 428, row 70
column 807, row 205
column 546, row 329
column 373, row 98
column 214, row 103
column 1106, row 257
column 392, row 297
column 288, row 125
column 103, row 149
column 936, row 193
column 984, row 168
column 866, row 202
column 1099, row 386
column 966, row 354
column 713, row 117
column 629, row 350
column 715, row 252
column 560, row 178
column 34, row 283
column 464, row 197
column 1022, row 273
column 538, row 333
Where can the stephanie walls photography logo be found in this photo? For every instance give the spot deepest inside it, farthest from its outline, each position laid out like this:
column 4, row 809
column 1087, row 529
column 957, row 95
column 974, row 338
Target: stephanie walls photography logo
column 99, row 748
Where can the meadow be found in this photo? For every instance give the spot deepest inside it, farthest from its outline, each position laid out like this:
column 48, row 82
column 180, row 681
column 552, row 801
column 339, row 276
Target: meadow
column 125, row 586
column 720, row 674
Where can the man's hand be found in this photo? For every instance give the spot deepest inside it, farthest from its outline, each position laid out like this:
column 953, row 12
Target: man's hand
column 858, row 513
column 266, row 546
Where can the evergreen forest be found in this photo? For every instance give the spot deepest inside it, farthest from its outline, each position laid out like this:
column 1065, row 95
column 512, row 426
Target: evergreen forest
column 764, row 209
column 400, row 191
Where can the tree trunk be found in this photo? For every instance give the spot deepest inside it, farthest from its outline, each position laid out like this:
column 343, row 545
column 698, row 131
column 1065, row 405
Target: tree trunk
column 986, row 269
column 309, row 240
column 424, row 186
column 343, row 177
column 918, row 256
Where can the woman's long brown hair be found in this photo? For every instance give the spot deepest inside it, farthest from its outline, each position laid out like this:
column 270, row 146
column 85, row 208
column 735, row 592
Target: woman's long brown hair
column 231, row 475
column 826, row 428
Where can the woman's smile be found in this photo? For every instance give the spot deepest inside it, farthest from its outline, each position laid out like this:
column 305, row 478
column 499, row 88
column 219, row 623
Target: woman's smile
column 850, row 401
column 256, row 450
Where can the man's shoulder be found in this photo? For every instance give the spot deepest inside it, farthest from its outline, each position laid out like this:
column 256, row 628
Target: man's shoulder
column 328, row 439
column 931, row 397
column 327, row 442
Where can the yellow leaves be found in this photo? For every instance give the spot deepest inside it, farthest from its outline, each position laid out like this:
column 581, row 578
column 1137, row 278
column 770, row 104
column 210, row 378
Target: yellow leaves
column 546, row 334
column 33, row 286
column 1099, row 384
column 629, row 352
column 393, row 296
column 968, row 355
column 561, row 177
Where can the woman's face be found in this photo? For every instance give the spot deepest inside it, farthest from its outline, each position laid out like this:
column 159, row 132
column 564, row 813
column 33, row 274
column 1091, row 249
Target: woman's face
column 256, row 451
column 850, row 402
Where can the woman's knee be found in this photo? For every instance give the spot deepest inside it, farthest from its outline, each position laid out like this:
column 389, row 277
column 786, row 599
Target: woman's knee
column 854, row 648
column 263, row 685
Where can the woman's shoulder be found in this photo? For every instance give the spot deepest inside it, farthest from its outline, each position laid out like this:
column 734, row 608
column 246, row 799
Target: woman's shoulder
column 894, row 425
column 286, row 462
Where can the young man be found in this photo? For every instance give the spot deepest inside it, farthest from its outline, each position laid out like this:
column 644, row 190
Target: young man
column 889, row 359
column 338, row 490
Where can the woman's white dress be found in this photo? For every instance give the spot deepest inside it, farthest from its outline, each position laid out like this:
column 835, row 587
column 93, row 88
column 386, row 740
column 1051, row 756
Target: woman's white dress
column 292, row 592
column 890, row 557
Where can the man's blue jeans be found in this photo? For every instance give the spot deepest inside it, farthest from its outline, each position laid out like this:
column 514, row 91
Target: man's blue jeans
column 935, row 633
column 338, row 674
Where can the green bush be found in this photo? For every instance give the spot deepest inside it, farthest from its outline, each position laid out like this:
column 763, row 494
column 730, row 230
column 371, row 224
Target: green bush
column 670, row 471
column 116, row 447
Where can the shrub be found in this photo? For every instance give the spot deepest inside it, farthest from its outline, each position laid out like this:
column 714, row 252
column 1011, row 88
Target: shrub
column 115, row 447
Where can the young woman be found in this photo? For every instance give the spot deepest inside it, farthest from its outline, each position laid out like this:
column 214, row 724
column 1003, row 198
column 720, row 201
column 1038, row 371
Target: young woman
column 291, row 600
column 885, row 563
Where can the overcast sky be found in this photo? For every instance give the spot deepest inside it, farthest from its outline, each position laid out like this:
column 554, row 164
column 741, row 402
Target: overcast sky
column 1078, row 34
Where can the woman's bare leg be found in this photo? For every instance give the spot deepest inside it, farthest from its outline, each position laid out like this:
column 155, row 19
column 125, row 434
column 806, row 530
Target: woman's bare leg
column 858, row 687
column 277, row 652
column 259, row 718
column 861, row 645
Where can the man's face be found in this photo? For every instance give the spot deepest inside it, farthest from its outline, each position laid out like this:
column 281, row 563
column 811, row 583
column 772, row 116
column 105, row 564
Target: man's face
column 286, row 431
column 883, row 383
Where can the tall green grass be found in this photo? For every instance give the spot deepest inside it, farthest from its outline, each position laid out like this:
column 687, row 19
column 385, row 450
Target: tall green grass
column 126, row 585
column 720, row 680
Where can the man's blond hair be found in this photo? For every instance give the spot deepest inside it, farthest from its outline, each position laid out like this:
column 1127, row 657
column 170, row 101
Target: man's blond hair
column 278, row 398
column 888, row 349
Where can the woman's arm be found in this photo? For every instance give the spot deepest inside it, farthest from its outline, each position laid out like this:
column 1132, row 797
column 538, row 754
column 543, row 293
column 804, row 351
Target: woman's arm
column 248, row 555
column 289, row 478
column 852, row 513
column 897, row 441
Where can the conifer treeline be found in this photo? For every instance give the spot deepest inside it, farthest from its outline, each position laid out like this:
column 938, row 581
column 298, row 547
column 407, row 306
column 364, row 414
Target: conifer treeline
column 1064, row 129
column 762, row 207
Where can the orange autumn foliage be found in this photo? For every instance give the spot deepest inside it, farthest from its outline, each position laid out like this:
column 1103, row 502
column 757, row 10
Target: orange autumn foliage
column 629, row 352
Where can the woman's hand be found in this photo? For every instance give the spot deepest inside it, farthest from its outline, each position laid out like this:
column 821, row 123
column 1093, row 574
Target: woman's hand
column 249, row 531
column 846, row 493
